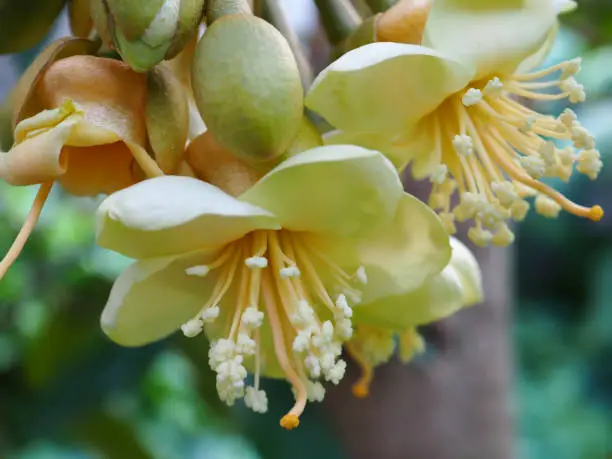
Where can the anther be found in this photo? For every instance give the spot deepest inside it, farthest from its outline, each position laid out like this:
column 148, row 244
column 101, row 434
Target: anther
column 493, row 88
column 256, row 262
column 472, row 96
column 199, row 271
column 290, row 272
column 534, row 166
column 596, row 213
column 361, row 275
column 192, row 328
column 547, row 151
column 439, row 174
column 571, row 68
column 210, row 314
column 547, row 207
column 290, row 421
column 463, row 145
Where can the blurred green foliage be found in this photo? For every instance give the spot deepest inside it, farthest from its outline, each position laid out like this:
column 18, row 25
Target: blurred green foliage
column 68, row 392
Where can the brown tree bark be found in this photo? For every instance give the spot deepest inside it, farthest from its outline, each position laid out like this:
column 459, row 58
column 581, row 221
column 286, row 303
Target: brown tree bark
column 456, row 405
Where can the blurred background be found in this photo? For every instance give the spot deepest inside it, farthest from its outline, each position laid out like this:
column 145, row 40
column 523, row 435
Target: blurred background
column 68, row 392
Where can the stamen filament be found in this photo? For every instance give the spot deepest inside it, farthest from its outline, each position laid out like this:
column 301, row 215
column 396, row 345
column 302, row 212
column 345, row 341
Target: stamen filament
column 26, row 229
column 148, row 165
column 361, row 388
column 291, row 419
column 594, row 213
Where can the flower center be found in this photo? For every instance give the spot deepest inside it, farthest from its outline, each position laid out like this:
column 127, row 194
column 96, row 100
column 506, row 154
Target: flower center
column 282, row 277
column 497, row 150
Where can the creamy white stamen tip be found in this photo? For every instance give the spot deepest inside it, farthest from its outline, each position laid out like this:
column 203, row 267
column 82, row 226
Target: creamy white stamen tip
column 210, row 314
column 361, row 275
column 192, row 328
column 505, row 192
column 336, row 373
column 316, row 391
column 439, row 174
column 503, row 237
column 480, row 236
column 199, row 271
column 252, row 318
column 574, row 90
column 548, row 153
column 472, row 96
column 534, row 166
column 571, row 68
column 547, row 207
column 257, row 400
column 493, row 88
column 313, row 366
column 568, row 117
column 256, row 262
column 290, row 272
column 463, row 145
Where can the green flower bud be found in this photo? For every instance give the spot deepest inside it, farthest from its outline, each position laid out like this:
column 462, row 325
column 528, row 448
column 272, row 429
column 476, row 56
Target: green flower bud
column 24, row 23
column 247, row 87
column 167, row 118
column 145, row 32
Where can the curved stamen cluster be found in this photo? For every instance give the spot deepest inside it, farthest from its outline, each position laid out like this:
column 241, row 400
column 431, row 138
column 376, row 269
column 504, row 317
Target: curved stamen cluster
column 498, row 149
column 282, row 271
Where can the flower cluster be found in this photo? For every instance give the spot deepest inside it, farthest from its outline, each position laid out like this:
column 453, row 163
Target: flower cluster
column 290, row 249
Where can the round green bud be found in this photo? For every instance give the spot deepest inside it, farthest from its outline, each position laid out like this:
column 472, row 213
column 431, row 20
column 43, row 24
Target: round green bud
column 247, row 87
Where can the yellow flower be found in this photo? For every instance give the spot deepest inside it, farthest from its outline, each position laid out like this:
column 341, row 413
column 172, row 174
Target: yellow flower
column 390, row 322
column 457, row 108
column 274, row 276
column 87, row 123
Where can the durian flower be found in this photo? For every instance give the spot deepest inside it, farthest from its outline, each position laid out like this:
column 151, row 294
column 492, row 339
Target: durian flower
column 271, row 276
column 390, row 323
column 458, row 109
column 88, row 126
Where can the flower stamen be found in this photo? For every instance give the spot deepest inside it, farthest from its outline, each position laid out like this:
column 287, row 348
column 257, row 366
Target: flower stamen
column 495, row 148
column 26, row 229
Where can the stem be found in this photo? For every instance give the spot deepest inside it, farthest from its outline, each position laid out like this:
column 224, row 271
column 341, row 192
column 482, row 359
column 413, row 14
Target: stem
column 146, row 163
column 26, row 229
column 339, row 18
column 380, row 6
column 273, row 11
column 216, row 9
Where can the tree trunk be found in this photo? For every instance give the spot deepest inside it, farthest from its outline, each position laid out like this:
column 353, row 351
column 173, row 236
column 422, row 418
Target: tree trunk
column 455, row 405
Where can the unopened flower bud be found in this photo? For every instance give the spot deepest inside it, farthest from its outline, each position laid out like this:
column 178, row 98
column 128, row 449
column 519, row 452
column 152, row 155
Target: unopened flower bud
column 251, row 98
column 145, row 32
column 404, row 22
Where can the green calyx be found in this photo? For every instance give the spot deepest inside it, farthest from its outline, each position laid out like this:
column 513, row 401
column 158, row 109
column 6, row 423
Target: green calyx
column 247, row 87
column 145, row 32
column 167, row 118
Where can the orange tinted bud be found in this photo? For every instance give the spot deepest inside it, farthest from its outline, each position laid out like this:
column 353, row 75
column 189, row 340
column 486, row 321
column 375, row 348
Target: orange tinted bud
column 404, row 22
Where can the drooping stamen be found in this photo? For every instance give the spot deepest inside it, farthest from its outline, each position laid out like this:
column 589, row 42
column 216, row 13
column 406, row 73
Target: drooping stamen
column 284, row 269
column 26, row 229
column 292, row 419
column 148, row 165
column 496, row 149
column 361, row 388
